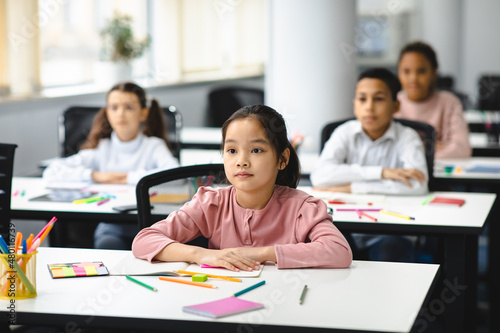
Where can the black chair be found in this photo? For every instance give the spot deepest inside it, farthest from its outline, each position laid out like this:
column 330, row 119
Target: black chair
column 445, row 83
column 489, row 93
column 224, row 101
column 168, row 190
column 75, row 124
column 448, row 83
column 426, row 132
column 6, row 171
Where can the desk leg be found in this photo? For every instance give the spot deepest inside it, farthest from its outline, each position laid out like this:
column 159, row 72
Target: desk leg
column 459, row 293
column 493, row 269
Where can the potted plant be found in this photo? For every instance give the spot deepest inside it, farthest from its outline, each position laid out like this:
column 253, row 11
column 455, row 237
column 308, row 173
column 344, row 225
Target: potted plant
column 119, row 48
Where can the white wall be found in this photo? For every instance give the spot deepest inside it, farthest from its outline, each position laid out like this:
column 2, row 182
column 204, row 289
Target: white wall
column 32, row 124
column 481, row 42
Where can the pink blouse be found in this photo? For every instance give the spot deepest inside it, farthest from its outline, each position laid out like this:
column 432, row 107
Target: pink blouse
column 296, row 223
column 444, row 112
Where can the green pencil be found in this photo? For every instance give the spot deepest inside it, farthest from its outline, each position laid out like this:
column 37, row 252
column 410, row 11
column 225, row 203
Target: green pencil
column 141, row 283
column 427, row 200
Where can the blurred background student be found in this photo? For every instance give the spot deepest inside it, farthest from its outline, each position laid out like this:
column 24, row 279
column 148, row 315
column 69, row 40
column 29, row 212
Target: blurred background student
column 421, row 101
column 374, row 154
column 127, row 141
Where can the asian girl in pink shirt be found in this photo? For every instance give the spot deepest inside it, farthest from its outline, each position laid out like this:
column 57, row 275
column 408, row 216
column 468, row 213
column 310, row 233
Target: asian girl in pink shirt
column 260, row 217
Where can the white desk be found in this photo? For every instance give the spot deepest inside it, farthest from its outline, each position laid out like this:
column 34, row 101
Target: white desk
column 201, row 137
column 23, row 207
column 368, row 296
column 458, row 227
column 464, row 164
column 483, row 181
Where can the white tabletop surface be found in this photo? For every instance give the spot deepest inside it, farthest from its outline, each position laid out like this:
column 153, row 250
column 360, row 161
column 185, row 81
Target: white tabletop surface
column 472, row 214
column 211, row 135
column 460, row 167
column 372, row 296
column 26, row 188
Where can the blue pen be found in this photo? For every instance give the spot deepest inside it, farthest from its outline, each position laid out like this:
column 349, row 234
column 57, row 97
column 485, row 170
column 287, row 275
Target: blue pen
column 25, row 247
column 3, row 245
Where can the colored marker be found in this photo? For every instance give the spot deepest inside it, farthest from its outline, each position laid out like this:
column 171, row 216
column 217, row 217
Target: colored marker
column 368, row 216
column 5, row 250
column 360, row 209
column 429, row 198
column 89, row 200
column 340, row 202
column 406, row 217
column 141, row 283
column 103, row 201
column 303, row 295
column 241, row 292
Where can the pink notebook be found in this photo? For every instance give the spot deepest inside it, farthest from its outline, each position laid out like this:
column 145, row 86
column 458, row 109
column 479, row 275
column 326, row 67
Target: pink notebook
column 222, row 307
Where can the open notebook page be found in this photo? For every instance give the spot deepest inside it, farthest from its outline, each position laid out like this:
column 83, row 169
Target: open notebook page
column 131, row 265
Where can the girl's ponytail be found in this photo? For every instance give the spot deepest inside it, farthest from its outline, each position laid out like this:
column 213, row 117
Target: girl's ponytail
column 155, row 123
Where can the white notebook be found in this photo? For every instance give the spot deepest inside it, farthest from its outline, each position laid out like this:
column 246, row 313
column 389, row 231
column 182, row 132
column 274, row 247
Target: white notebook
column 130, row 265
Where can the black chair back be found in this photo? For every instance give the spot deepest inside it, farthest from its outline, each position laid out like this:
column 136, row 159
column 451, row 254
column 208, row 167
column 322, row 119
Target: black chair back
column 224, row 101
column 155, row 191
column 489, row 93
column 153, row 185
column 6, row 170
column 427, row 134
column 75, row 124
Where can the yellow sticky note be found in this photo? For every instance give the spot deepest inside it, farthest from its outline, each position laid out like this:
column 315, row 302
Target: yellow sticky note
column 90, row 270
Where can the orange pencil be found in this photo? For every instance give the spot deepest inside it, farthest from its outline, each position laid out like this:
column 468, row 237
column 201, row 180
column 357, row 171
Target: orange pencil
column 51, row 222
column 46, row 232
column 211, row 276
column 29, row 241
column 193, row 283
column 18, row 241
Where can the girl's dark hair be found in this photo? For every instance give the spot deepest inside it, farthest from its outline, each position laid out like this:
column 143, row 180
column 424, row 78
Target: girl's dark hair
column 420, row 47
column 153, row 126
column 274, row 125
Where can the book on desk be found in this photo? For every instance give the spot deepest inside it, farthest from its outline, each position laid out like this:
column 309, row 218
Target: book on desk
column 131, row 265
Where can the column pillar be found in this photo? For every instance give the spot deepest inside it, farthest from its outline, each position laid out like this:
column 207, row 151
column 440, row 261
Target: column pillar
column 441, row 27
column 311, row 70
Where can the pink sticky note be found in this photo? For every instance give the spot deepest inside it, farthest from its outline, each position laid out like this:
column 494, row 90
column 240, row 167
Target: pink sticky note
column 80, row 271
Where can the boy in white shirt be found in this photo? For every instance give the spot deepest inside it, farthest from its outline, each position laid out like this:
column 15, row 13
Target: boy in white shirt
column 374, row 154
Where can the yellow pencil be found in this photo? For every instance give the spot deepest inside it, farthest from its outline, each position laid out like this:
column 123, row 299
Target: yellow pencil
column 397, row 215
column 193, row 283
column 211, row 275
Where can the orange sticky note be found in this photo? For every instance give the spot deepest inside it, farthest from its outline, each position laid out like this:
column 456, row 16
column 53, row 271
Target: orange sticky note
column 57, row 272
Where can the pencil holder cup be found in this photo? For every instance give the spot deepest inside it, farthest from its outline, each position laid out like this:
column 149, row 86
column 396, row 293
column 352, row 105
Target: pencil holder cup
column 17, row 275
